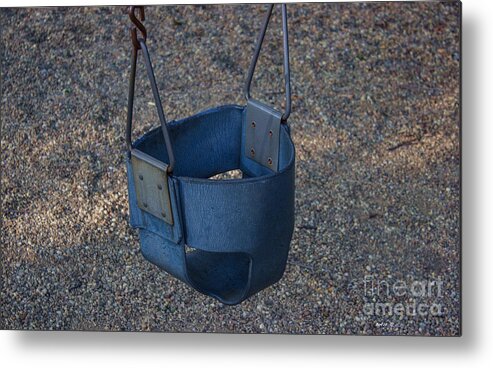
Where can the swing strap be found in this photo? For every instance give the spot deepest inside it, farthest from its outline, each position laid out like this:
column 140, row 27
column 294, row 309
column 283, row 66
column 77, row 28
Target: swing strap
column 253, row 64
column 139, row 43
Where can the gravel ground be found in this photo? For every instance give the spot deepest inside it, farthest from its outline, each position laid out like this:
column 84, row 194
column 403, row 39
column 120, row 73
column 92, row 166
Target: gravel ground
column 376, row 126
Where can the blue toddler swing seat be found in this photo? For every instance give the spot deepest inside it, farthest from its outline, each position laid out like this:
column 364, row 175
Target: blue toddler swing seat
column 228, row 239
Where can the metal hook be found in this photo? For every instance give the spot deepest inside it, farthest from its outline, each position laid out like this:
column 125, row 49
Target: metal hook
column 138, row 24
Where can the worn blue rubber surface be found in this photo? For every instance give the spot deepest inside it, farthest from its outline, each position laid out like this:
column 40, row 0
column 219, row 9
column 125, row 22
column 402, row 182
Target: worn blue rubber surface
column 230, row 238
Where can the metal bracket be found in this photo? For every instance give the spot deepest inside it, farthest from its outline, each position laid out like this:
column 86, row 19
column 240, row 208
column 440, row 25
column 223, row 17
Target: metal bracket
column 151, row 185
column 262, row 125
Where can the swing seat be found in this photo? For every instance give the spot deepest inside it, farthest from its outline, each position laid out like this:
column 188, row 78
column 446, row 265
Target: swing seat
column 228, row 239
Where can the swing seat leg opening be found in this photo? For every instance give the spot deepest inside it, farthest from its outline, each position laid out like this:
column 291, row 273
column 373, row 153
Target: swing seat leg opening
column 222, row 275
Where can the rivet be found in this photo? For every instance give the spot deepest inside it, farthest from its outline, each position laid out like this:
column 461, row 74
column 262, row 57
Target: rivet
column 270, row 133
column 163, row 214
column 252, row 152
column 141, row 177
column 253, row 124
column 145, row 205
column 160, row 187
column 269, row 160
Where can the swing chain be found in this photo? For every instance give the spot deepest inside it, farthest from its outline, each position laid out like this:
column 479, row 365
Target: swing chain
column 137, row 25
